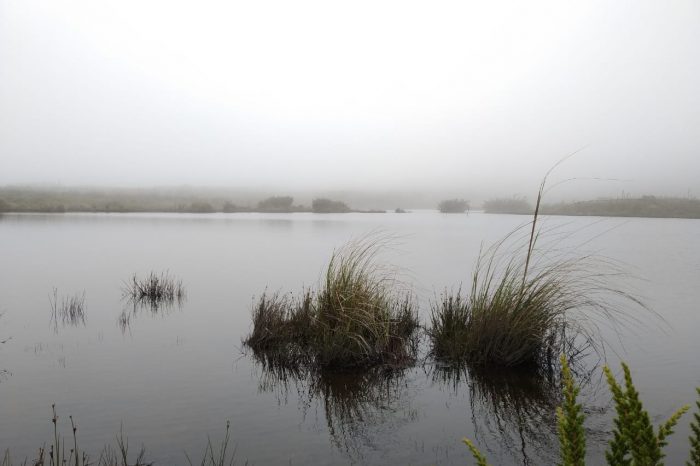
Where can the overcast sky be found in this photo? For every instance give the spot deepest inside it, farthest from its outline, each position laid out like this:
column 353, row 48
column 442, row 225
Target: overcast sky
column 356, row 94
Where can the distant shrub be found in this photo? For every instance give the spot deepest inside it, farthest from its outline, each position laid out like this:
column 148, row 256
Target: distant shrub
column 113, row 207
column 328, row 206
column 200, row 207
column 453, row 206
column 507, row 206
column 276, row 204
column 5, row 206
column 230, row 207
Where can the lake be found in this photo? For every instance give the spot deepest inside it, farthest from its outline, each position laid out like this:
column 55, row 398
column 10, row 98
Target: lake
column 173, row 377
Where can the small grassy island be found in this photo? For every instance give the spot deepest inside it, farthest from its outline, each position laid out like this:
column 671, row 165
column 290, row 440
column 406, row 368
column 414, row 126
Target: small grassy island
column 355, row 320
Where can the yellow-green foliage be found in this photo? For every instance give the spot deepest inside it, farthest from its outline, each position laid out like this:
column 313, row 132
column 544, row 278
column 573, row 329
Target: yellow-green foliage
column 634, row 441
column 572, row 438
column 695, row 437
column 480, row 459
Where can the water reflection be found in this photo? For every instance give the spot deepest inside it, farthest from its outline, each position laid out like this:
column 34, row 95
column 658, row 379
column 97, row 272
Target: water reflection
column 134, row 306
column 360, row 408
column 512, row 411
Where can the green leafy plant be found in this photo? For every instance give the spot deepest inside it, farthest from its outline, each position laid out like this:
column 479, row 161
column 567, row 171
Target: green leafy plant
column 695, row 437
column 634, row 442
column 572, row 438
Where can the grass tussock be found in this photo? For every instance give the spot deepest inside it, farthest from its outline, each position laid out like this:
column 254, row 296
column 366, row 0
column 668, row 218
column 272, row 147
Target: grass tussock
column 355, row 318
column 528, row 305
column 512, row 319
column 67, row 310
column 154, row 289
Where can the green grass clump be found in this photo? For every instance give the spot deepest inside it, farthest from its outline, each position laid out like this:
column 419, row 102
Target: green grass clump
column 279, row 322
column 527, row 305
column 355, row 318
column 520, row 315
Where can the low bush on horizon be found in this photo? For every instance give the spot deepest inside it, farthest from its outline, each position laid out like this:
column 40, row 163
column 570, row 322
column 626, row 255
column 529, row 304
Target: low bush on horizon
column 635, row 442
column 276, row 204
column 354, row 319
column 453, row 206
column 507, row 206
column 328, row 206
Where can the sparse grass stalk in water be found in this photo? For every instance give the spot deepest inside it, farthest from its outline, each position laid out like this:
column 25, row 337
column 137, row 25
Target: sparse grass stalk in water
column 61, row 455
column 69, row 310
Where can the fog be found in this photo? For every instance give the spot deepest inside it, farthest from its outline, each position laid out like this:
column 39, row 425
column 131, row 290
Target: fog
column 471, row 98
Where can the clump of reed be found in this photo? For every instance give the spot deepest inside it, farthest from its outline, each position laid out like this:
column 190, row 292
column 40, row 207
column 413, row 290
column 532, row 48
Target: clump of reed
column 355, row 318
column 154, row 289
column 515, row 317
column 68, row 310
column 527, row 305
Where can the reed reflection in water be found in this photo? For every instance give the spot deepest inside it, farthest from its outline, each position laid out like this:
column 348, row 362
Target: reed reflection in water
column 359, row 406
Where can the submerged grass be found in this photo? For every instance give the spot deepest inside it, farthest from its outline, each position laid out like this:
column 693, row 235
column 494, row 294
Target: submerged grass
column 355, row 319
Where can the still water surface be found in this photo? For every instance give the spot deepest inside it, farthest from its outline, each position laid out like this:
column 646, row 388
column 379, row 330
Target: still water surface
column 175, row 376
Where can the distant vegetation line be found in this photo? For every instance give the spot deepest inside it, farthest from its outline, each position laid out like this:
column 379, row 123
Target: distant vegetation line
column 47, row 201
column 21, row 199
column 645, row 206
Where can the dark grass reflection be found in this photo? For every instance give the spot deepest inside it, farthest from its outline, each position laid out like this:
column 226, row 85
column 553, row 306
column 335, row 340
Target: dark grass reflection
column 512, row 411
column 359, row 406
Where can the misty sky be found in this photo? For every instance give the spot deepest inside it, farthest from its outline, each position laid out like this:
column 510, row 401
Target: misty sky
column 360, row 94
